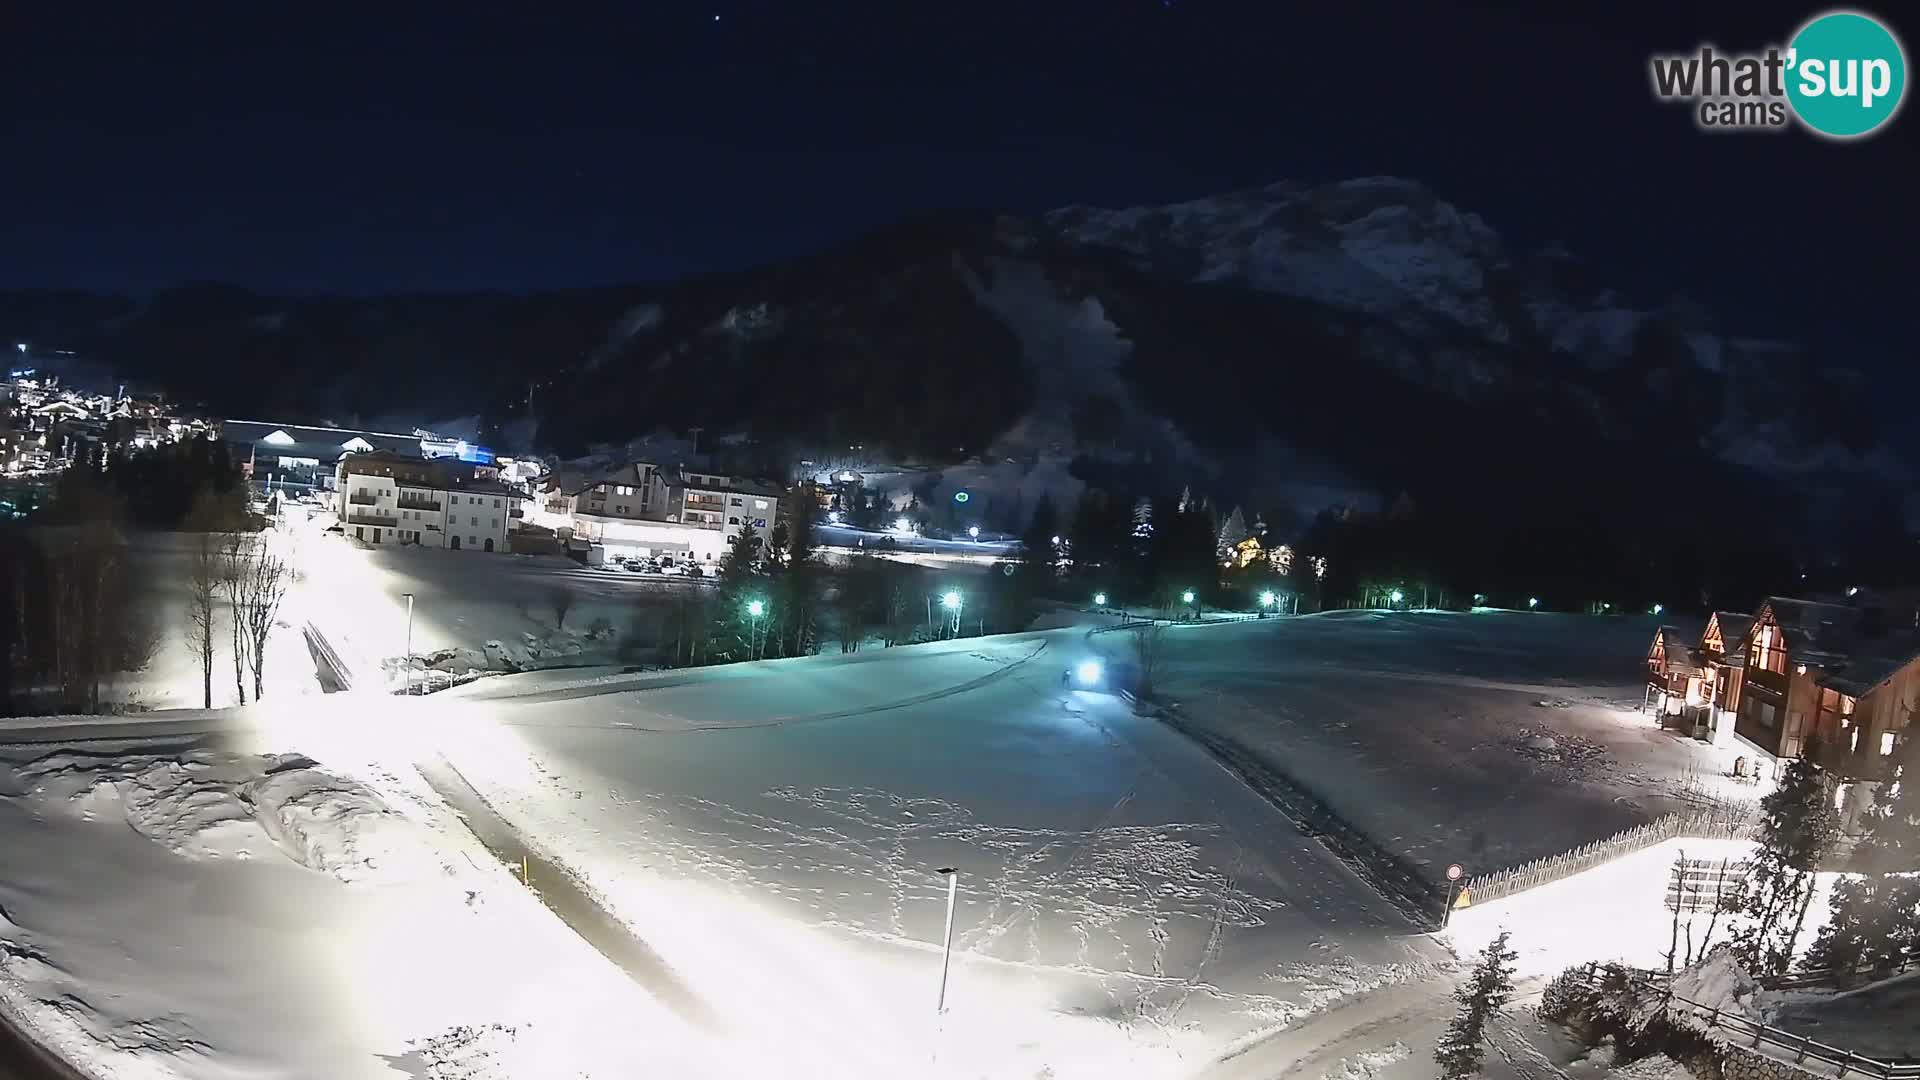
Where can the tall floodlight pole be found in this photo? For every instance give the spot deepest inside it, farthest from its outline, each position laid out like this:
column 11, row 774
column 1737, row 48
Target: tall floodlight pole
column 409, row 676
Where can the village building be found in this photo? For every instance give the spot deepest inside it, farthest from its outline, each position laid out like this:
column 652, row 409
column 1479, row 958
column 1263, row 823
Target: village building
column 1836, row 680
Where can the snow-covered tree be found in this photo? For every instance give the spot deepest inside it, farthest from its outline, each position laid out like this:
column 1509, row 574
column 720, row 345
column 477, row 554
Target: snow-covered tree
column 1232, row 532
column 1798, row 829
column 1143, row 519
column 1481, row 997
column 1875, row 922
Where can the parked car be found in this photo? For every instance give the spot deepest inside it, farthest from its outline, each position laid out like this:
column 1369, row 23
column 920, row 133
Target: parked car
column 633, row 566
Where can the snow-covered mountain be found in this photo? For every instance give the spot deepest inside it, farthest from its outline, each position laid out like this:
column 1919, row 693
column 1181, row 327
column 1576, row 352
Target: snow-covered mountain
column 1379, row 245
column 1367, row 333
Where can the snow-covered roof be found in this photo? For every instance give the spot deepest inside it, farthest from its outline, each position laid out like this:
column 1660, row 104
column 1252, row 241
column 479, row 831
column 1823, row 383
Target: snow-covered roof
column 324, row 443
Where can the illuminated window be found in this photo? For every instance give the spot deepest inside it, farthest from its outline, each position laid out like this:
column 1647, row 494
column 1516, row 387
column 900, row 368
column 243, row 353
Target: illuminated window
column 1769, row 653
column 1886, row 744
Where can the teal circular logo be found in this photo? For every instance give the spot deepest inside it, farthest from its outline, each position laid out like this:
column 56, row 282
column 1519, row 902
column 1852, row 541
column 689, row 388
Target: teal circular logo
column 1846, row 74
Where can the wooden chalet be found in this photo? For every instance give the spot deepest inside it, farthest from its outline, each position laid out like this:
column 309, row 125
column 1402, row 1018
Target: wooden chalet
column 1843, row 676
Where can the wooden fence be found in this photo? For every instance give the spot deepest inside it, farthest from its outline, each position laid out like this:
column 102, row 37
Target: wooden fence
column 1705, row 884
column 1709, row 824
column 1751, row 1034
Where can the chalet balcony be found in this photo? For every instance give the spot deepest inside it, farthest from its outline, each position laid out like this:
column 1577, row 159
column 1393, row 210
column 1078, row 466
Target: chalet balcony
column 385, row 521
column 407, row 503
column 363, row 498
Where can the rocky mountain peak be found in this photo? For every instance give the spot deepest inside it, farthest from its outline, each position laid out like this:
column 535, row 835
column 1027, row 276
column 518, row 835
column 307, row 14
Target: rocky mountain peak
column 1384, row 246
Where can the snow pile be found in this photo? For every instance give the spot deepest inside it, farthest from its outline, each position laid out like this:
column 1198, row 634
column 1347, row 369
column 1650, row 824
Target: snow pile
column 1368, row 1063
column 211, row 804
column 1720, row 983
column 1656, row 1067
column 175, row 911
column 337, row 826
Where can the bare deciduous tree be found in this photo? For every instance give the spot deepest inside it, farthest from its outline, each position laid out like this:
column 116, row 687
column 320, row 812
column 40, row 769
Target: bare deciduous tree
column 1149, row 645
column 233, row 573
column 203, row 591
column 256, row 581
column 560, row 600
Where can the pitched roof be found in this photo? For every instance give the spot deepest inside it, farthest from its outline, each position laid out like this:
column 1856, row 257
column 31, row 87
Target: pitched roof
column 1855, row 647
column 1679, row 650
column 325, row 443
column 1733, row 627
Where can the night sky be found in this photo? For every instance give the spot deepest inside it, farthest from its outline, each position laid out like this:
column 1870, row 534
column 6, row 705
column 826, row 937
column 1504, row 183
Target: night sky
column 428, row 147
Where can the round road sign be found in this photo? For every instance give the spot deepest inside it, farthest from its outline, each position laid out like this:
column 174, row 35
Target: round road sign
column 1454, row 871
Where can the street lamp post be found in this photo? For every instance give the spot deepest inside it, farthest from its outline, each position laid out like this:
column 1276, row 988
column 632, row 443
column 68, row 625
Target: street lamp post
column 946, row 949
column 755, row 609
column 1188, row 597
column 973, row 532
column 409, row 675
column 1266, row 603
column 951, row 600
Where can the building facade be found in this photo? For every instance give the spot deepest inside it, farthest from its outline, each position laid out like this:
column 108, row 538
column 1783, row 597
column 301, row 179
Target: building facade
column 645, row 510
column 385, row 498
column 1836, row 679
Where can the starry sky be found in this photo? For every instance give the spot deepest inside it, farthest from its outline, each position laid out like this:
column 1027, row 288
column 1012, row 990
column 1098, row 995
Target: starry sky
column 422, row 146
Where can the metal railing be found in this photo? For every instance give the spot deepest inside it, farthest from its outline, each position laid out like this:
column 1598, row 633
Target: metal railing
column 382, row 520
column 418, row 504
column 1752, row 1035
column 363, row 498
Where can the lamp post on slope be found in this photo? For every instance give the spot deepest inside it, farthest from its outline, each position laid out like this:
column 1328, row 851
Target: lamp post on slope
column 408, row 684
column 946, row 949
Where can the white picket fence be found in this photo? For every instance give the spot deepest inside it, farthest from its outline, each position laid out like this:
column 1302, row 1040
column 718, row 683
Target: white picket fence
column 1709, row 824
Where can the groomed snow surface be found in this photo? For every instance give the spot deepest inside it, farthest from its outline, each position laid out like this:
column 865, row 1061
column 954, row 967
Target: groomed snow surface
column 1486, row 739
column 279, row 892
column 774, row 831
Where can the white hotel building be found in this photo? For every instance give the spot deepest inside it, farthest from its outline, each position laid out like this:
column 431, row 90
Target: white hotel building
column 644, row 510
column 384, row 498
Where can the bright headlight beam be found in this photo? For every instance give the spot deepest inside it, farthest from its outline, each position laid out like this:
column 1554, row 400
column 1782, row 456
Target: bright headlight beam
column 1088, row 672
